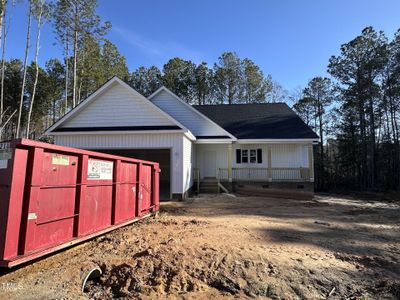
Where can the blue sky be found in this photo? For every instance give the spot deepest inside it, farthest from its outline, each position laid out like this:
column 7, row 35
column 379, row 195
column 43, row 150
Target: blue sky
column 291, row 40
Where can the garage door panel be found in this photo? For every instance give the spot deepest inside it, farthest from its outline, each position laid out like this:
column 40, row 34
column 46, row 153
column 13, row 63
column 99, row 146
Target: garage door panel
column 162, row 156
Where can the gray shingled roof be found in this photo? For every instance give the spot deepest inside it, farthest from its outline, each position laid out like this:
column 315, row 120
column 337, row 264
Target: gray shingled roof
column 258, row 121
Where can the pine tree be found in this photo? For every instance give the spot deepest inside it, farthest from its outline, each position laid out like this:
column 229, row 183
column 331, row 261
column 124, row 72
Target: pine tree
column 255, row 86
column 178, row 76
column 74, row 21
column 228, row 77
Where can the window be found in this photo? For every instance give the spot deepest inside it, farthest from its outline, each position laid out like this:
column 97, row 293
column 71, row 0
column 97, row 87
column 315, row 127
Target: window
column 252, row 156
column 245, row 156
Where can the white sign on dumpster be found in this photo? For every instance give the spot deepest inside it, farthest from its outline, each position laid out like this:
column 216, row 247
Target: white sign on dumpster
column 100, row 170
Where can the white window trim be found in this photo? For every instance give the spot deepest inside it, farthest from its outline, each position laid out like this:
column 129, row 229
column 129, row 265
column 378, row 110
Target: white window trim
column 248, row 150
column 242, row 151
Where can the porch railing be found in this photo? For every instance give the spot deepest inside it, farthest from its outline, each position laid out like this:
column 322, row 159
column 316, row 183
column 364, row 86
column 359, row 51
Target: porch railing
column 266, row 174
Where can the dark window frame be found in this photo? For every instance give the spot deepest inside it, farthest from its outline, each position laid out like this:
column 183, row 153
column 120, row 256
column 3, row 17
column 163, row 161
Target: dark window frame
column 245, row 156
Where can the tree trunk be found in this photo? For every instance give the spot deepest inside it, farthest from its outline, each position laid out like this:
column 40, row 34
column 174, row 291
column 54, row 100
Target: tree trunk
column 54, row 111
column 321, row 136
column 3, row 65
column 21, row 103
column 80, row 79
column 66, row 73
column 39, row 20
column 393, row 119
column 74, row 79
column 3, row 4
column 372, row 168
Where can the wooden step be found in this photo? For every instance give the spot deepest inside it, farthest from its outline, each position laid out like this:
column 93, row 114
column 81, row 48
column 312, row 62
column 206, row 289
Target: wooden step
column 209, row 180
column 208, row 191
column 209, row 184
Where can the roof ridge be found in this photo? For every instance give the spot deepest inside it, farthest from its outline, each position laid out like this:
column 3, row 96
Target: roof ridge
column 238, row 104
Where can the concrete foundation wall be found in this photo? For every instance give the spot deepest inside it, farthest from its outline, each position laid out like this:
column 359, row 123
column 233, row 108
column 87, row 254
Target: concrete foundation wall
column 301, row 190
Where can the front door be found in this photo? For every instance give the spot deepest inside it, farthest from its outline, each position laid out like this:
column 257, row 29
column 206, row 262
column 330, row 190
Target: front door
column 210, row 162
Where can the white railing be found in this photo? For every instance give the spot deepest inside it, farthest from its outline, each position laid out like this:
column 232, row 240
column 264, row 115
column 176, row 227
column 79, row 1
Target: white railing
column 223, row 174
column 266, row 174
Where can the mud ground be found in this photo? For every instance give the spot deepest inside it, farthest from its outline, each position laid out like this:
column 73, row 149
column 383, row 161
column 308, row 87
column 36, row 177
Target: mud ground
column 229, row 246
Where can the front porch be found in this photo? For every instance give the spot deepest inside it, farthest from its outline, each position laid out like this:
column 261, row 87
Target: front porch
column 265, row 174
column 220, row 166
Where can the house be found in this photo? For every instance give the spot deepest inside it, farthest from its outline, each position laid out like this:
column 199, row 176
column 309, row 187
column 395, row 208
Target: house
column 267, row 145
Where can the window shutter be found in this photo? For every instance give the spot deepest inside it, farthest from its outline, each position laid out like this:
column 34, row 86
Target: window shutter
column 238, row 156
column 259, row 156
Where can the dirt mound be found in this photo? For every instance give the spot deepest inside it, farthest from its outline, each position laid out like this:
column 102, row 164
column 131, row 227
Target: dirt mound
column 171, row 270
column 369, row 261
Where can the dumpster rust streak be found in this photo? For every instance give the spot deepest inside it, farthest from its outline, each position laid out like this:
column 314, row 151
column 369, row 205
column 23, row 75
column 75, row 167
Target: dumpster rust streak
column 49, row 199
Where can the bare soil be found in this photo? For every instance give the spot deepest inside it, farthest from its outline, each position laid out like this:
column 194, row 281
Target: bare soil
column 225, row 246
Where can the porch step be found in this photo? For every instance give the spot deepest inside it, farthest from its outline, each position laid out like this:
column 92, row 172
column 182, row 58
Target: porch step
column 209, row 186
column 206, row 180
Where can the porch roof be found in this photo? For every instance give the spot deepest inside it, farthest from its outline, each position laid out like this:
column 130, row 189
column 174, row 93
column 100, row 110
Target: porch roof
column 258, row 121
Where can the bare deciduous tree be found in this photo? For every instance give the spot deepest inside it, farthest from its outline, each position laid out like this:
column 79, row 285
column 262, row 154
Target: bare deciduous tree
column 27, row 46
column 39, row 6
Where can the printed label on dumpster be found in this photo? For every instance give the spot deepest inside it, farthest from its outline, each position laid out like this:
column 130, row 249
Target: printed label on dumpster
column 32, row 216
column 100, row 170
column 3, row 163
column 60, row 160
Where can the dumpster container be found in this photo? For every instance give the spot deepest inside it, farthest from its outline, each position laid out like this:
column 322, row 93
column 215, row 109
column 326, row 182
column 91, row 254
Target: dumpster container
column 52, row 197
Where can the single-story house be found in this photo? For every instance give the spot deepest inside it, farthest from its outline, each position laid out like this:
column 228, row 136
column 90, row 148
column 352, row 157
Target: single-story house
column 264, row 144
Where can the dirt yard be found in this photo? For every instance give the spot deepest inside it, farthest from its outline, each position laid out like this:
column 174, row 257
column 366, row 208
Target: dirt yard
column 232, row 247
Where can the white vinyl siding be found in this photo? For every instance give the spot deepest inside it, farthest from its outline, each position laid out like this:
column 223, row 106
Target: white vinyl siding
column 197, row 124
column 117, row 106
column 289, row 156
column 282, row 155
column 221, row 151
column 173, row 141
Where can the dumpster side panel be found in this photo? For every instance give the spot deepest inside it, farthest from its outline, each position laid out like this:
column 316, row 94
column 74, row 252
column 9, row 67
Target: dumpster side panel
column 12, row 182
column 125, row 200
column 56, row 200
column 145, row 188
column 50, row 205
column 96, row 207
column 59, row 169
column 55, row 216
column 96, row 214
column 156, row 187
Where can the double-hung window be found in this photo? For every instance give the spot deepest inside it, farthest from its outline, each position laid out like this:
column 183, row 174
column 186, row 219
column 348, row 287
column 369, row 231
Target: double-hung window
column 245, row 156
column 253, row 156
column 248, row 156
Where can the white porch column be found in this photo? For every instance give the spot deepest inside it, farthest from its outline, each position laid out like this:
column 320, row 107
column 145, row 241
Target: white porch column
column 269, row 156
column 311, row 162
column 230, row 162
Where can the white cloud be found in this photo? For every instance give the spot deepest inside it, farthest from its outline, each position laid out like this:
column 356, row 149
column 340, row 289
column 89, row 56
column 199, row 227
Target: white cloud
column 165, row 50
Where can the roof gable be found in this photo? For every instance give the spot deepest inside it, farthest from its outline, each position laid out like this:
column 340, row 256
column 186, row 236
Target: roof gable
column 258, row 121
column 199, row 124
column 115, row 105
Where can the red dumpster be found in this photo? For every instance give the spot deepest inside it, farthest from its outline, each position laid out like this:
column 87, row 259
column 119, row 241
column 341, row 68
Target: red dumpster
column 52, row 197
